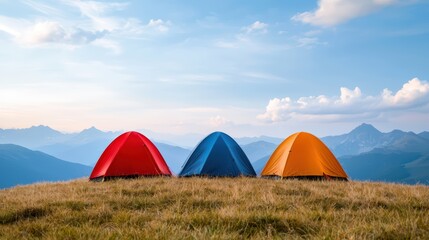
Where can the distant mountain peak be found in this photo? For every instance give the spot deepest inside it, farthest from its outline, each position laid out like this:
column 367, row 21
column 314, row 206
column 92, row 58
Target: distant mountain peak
column 91, row 130
column 365, row 128
column 366, row 125
column 41, row 127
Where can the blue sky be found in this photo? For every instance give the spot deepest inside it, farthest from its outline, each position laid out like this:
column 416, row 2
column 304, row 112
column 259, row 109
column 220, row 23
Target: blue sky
column 246, row 68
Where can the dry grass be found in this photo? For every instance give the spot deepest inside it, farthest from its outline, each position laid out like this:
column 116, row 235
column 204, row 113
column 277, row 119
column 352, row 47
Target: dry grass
column 193, row 208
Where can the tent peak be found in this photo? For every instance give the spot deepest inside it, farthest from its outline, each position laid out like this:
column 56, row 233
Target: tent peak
column 303, row 134
column 218, row 134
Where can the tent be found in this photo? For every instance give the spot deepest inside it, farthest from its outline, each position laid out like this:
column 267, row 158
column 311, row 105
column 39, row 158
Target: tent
column 218, row 155
column 129, row 155
column 303, row 155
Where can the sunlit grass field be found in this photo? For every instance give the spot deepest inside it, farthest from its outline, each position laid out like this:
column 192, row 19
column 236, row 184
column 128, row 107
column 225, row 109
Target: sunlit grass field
column 224, row 208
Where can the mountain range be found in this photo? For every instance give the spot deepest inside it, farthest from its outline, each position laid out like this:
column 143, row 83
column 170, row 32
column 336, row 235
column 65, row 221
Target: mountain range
column 84, row 147
column 366, row 137
column 401, row 155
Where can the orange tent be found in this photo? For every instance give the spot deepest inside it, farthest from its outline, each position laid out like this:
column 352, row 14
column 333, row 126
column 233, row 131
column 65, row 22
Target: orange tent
column 303, row 155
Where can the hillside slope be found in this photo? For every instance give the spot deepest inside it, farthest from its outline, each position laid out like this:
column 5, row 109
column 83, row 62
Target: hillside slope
column 387, row 166
column 259, row 164
column 19, row 165
column 258, row 150
column 86, row 153
column 174, row 156
column 198, row 208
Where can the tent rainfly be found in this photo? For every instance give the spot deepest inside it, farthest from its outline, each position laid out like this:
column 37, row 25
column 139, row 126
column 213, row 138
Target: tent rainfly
column 130, row 155
column 303, row 155
column 218, row 155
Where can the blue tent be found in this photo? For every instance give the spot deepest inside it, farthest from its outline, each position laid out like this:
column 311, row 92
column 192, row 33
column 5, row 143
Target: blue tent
column 218, row 155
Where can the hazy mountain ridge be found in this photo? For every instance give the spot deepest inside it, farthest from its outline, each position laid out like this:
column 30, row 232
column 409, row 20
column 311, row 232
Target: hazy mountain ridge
column 173, row 155
column 365, row 138
column 19, row 165
column 248, row 140
column 84, row 147
column 257, row 150
column 32, row 137
column 87, row 153
column 388, row 166
column 368, row 154
column 39, row 137
column 260, row 164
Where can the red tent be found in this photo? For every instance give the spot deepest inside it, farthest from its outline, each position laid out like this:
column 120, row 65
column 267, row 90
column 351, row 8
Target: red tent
column 130, row 154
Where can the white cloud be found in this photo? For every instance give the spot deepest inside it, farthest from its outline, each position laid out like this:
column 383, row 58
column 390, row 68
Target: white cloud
column 218, row 121
column 158, row 24
column 44, row 32
column 28, row 33
column 334, row 12
column 54, row 32
column 413, row 94
column 257, row 27
column 134, row 26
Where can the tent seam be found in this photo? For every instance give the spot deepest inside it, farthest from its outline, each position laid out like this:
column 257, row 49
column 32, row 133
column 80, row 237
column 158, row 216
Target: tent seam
column 290, row 150
column 119, row 148
column 208, row 155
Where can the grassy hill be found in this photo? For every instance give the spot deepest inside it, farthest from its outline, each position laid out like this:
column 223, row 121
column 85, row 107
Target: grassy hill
column 196, row 208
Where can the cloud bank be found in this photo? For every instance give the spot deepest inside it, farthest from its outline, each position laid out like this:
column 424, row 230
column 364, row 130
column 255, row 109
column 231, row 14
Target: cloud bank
column 334, row 12
column 413, row 94
column 93, row 25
